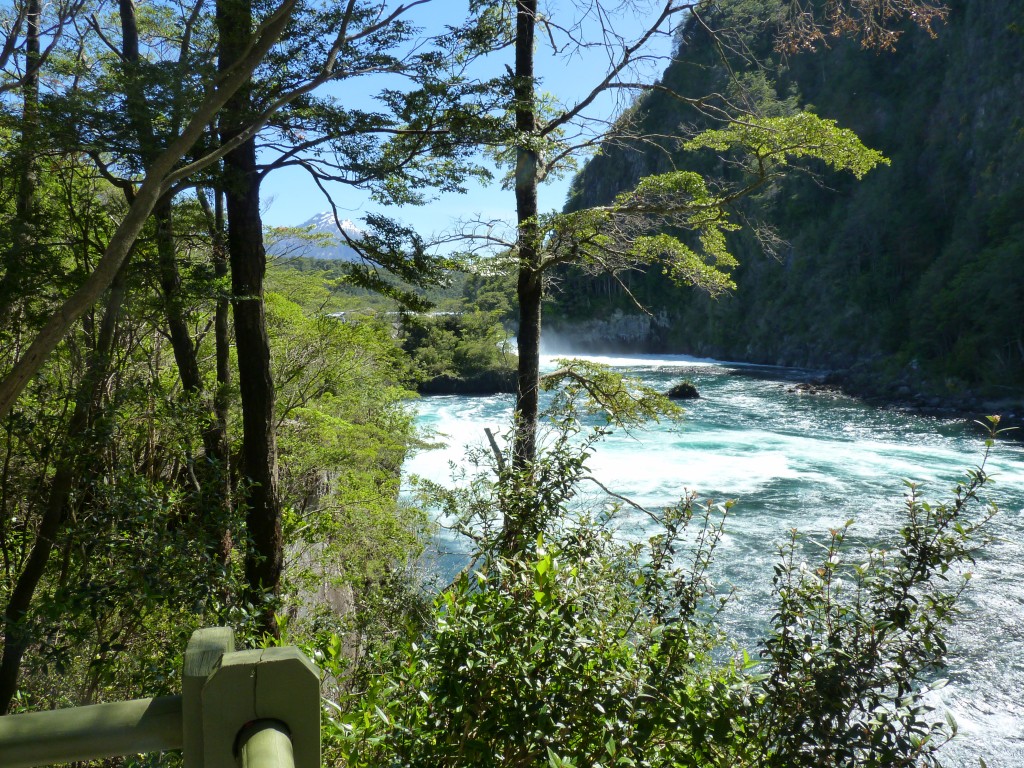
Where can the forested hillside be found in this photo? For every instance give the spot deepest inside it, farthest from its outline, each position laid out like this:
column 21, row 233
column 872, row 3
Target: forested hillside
column 913, row 275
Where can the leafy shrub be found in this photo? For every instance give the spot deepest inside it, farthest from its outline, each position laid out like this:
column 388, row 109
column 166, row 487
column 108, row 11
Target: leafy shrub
column 584, row 650
column 580, row 651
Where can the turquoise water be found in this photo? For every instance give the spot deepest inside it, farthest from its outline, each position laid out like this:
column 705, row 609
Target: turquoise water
column 810, row 462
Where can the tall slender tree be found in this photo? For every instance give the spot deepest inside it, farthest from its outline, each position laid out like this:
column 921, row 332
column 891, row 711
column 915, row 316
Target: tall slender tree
column 241, row 186
column 143, row 116
column 16, row 259
column 420, row 139
column 543, row 140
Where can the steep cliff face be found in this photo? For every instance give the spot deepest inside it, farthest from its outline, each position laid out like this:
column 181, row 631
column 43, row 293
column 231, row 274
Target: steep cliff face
column 919, row 267
column 620, row 331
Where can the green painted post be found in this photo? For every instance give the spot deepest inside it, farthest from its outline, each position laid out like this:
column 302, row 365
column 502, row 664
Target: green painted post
column 264, row 684
column 254, row 709
column 90, row 733
column 203, row 654
column 265, row 744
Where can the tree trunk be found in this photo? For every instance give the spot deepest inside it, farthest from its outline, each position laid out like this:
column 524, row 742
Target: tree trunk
column 181, row 340
column 265, row 552
column 26, row 204
column 221, row 325
column 222, row 343
column 222, row 347
column 221, row 321
column 529, row 287
column 529, row 283
column 210, row 473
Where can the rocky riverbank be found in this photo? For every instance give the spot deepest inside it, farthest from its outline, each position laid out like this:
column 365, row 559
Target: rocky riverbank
column 491, row 382
column 906, row 390
column 900, row 394
column 906, row 393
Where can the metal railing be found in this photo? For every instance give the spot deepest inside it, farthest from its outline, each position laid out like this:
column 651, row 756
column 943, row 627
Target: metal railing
column 237, row 709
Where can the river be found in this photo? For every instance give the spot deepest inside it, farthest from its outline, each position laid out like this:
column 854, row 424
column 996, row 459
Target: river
column 810, row 462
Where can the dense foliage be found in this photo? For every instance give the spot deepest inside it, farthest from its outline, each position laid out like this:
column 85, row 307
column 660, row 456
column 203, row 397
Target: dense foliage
column 147, row 549
column 460, row 351
column 460, row 343
column 157, row 397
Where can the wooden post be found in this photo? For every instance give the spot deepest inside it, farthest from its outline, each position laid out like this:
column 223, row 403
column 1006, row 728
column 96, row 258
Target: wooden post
column 253, row 709
column 203, row 654
column 263, row 684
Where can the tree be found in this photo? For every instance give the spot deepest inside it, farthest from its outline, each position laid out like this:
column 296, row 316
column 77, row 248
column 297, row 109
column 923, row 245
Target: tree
column 420, row 147
column 143, row 116
column 676, row 221
column 26, row 213
column 147, row 114
column 173, row 169
column 79, row 443
column 247, row 258
column 133, row 475
column 155, row 92
column 162, row 164
column 160, row 176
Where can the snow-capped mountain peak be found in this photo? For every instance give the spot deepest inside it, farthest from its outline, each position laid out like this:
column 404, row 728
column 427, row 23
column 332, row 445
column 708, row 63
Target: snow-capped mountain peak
column 335, row 247
column 325, row 222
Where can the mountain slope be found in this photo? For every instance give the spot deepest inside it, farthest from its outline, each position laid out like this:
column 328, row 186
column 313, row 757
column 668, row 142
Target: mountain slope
column 917, row 271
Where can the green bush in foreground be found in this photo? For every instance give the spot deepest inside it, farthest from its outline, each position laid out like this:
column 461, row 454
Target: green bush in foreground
column 583, row 650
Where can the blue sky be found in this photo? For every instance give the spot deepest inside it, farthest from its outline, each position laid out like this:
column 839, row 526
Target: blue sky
column 289, row 196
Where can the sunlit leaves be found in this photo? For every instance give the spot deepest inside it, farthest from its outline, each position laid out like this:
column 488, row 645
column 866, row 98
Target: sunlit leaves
column 584, row 387
column 678, row 222
column 670, row 191
column 342, row 435
column 771, row 143
column 684, row 265
column 858, row 635
column 555, row 657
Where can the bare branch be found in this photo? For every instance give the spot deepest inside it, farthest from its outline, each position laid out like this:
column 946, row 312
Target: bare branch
column 94, row 24
column 620, row 497
column 11, row 41
column 54, row 34
column 875, row 22
column 625, row 59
